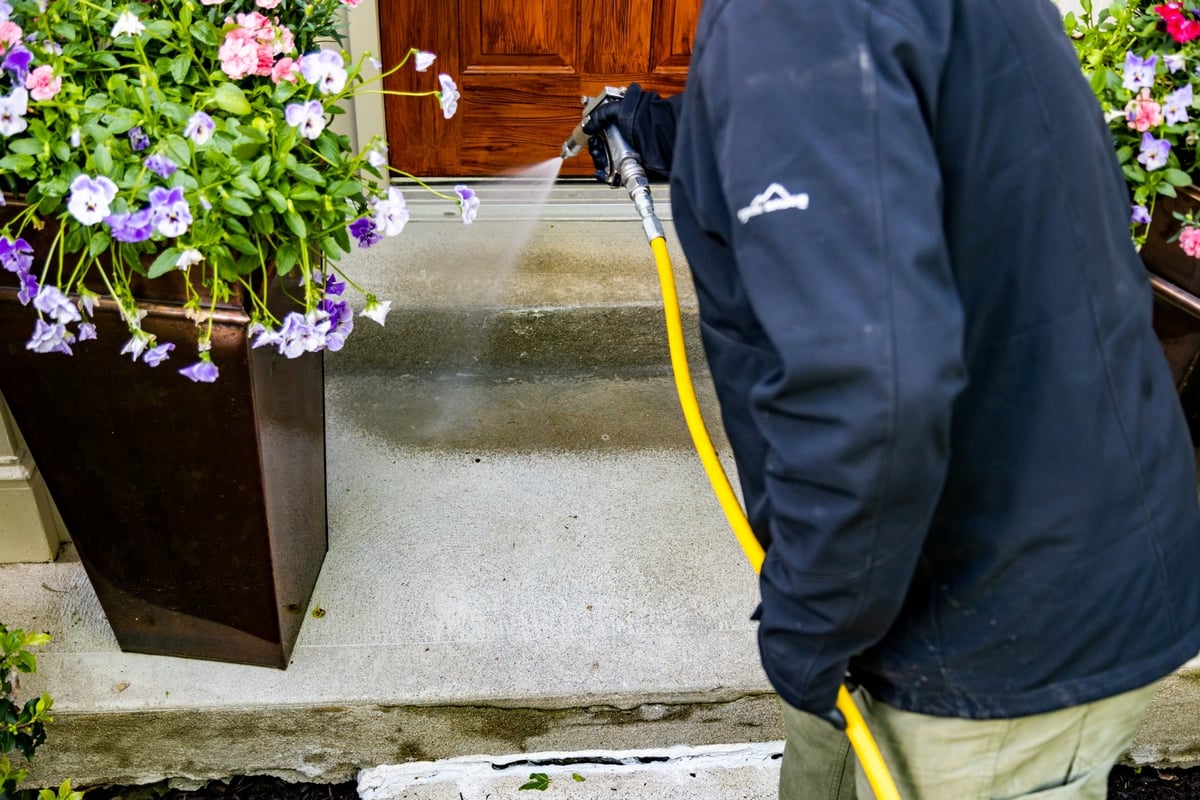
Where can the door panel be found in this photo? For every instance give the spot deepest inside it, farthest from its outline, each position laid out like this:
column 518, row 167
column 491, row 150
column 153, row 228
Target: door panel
column 522, row 67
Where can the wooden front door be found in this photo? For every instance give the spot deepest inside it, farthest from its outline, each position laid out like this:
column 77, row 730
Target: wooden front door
column 522, row 67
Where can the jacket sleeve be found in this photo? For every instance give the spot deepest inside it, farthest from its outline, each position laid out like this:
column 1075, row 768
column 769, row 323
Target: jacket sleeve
column 648, row 120
column 823, row 265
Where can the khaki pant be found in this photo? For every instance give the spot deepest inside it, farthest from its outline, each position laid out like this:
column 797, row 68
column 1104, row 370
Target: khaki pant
column 1060, row 755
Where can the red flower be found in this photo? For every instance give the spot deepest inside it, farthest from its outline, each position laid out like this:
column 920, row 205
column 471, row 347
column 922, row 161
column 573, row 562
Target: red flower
column 1179, row 26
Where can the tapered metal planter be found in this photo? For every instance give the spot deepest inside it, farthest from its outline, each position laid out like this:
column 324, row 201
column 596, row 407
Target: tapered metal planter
column 1176, row 279
column 198, row 510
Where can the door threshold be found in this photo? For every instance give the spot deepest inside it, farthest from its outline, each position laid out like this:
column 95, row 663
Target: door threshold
column 568, row 200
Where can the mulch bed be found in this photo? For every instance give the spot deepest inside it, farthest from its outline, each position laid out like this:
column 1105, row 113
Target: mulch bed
column 240, row 788
column 1124, row 783
column 1128, row 783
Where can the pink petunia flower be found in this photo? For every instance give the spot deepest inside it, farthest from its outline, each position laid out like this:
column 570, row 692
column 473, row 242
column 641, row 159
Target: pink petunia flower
column 266, row 3
column 285, row 69
column 1189, row 240
column 10, row 34
column 238, row 54
column 1142, row 113
column 42, row 83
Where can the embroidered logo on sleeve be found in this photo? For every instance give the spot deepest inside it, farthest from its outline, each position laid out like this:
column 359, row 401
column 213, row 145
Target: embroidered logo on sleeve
column 775, row 198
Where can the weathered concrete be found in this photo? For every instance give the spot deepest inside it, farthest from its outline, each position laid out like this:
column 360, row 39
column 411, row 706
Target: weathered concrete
column 728, row 772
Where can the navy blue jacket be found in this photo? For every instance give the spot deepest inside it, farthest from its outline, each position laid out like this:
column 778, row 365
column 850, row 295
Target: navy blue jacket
column 954, row 427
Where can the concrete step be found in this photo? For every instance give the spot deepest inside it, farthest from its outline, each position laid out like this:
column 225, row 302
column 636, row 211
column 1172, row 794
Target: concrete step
column 557, row 590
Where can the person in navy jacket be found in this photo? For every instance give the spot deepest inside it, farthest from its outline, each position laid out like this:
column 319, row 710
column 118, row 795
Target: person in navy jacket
column 955, row 430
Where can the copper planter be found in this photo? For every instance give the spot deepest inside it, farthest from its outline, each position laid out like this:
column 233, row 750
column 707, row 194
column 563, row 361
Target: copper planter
column 198, row 510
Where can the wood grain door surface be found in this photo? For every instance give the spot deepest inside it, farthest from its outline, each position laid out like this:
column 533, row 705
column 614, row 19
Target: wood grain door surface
column 522, row 67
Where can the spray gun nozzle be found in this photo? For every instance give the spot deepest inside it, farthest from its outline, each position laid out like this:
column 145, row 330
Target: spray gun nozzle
column 624, row 164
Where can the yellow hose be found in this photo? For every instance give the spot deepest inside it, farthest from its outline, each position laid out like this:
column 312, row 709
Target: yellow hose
column 856, row 729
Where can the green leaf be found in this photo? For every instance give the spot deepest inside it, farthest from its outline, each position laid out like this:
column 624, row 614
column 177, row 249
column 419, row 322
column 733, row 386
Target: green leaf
column 246, row 185
column 165, row 262
column 243, row 245
column 307, row 174
column 179, row 67
column 345, row 189
column 1177, row 177
column 575, row 776
column 236, row 205
column 1165, row 189
column 30, row 147
column 16, row 163
column 121, row 122
column 204, row 32
column 295, row 224
column 37, row 639
column 160, row 29
column 178, row 150
column 286, row 256
column 107, row 59
column 277, row 200
column 247, row 150
column 99, row 242
column 102, row 157
column 229, row 97
column 538, row 780
column 329, row 247
column 262, row 167
column 263, row 223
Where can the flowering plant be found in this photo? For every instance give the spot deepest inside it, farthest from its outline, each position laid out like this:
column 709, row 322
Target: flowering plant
column 193, row 135
column 1142, row 59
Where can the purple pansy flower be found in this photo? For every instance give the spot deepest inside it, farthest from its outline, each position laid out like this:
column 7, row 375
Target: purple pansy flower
column 1154, row 152
column 15, row 255
column 90, row 198
column 170, row 211
column 17, row 62
column 1175, row 108
column 29, row 288
column 86, row 331
column 363, row 229
column 132, row 227
column 203, row 371
column 333, row 285
column 341, row 319
column 138, row 139
column 161, row 166
column 53, row 303
column 156, row 355
column 308, row 118
column 325, row 69
column 200, row 127
column 1140, row 214
column 48, row 338
column 468, row 203
column 13, row 108
column 1138, row 72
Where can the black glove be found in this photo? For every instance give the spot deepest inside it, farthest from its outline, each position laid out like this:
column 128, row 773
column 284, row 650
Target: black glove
column 646, row 120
